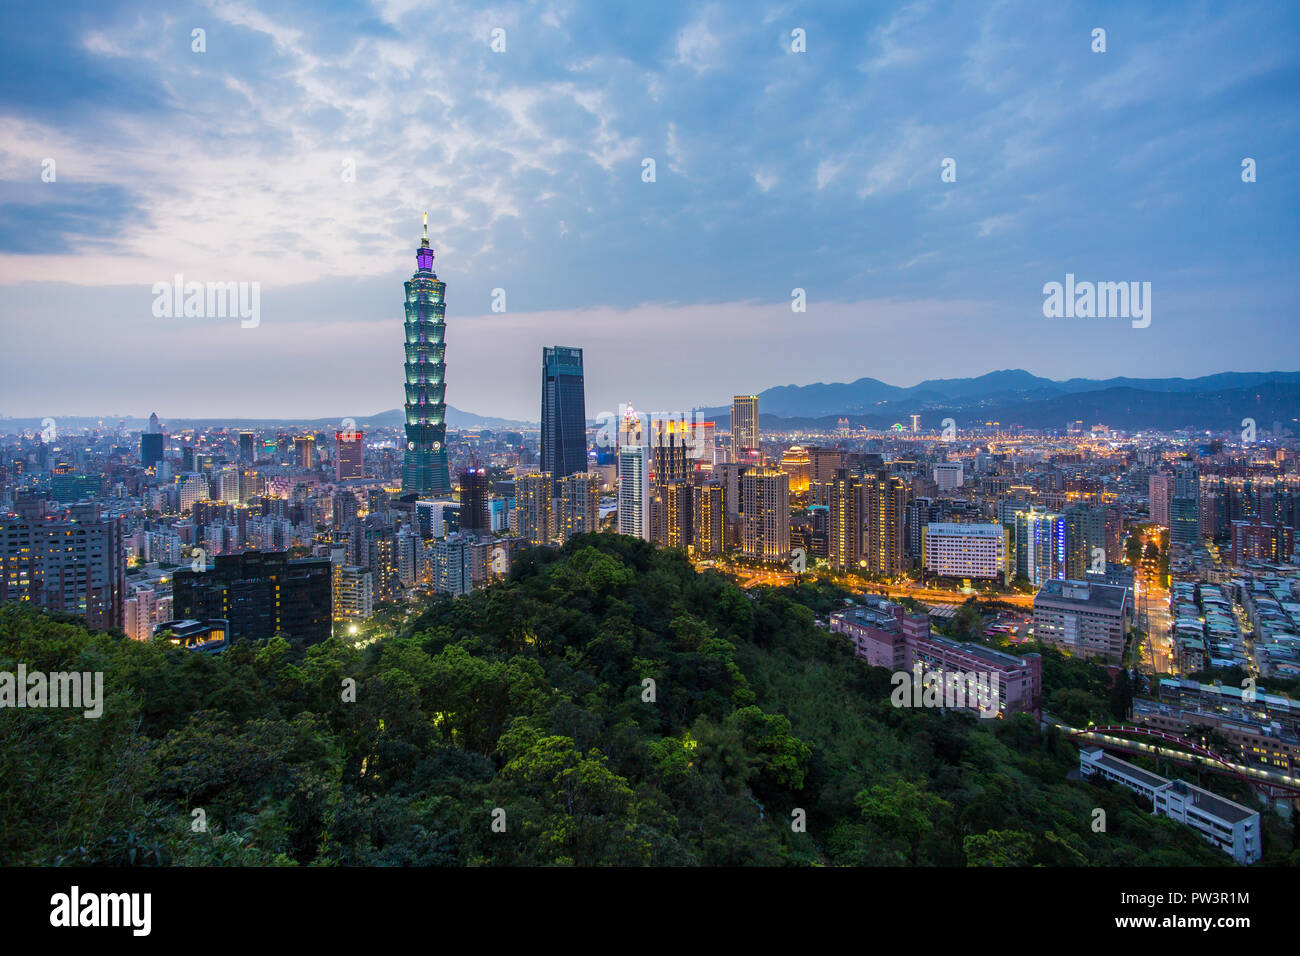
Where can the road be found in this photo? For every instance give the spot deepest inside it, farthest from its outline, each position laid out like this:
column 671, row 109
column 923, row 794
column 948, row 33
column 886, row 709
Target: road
column 750, row 578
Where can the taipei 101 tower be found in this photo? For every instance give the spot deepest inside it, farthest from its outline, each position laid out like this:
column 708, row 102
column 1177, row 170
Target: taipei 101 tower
column 424, row 468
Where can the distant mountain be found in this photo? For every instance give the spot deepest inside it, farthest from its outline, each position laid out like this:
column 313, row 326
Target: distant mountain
column 392, row 418
column 1129, row 409
column 869, row 396
column 1019, row 397
column 455, row 418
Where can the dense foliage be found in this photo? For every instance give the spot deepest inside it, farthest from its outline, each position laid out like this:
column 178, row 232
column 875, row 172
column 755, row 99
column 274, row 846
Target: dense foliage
column 526, row 705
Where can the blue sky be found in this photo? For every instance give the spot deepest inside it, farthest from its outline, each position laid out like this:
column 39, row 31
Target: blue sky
column 774, row 170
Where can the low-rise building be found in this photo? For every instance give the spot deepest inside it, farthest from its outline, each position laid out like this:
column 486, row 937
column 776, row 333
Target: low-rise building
column 888, row 635
column 1229, row 826
column 1083, row 618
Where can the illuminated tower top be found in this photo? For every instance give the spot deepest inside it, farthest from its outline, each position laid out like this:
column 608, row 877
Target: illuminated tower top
column 424, row 255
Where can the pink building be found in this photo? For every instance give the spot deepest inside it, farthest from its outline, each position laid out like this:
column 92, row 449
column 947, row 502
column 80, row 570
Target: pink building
column 892, row 637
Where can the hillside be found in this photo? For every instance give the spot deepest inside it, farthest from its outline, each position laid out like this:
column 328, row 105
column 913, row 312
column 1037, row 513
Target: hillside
column 528, row 697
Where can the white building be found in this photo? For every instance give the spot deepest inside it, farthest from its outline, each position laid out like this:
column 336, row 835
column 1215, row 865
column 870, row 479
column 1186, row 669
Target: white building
column 1082, row 618
column 634, row 491
column 953, row 550
column 1229, row 826
column 354, row 598
column 192, row 488
column 948, row 475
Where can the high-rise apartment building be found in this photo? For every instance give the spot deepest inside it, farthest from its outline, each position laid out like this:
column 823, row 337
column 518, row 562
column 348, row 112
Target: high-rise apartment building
column 1160, row 487
column 534, row 507
column 354, row 593
column 1040, row 545
column 670, row 464
column 563, row 442
column 884, row 509
column 1085, row 540
column 744, row 426
column 678, row 503
column 845, row 531
column 424, row 466
column 578, row 505
column 710, row 518
column 304, row 449
column 73, row 563
column 453, row 564
column 765, row 493
column 634, row 491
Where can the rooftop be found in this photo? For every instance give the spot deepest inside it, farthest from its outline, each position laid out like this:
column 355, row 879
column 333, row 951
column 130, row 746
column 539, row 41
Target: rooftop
column 1083, row 594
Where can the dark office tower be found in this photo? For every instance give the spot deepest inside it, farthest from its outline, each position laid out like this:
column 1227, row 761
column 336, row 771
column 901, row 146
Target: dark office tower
column 246, row 447
column 424, row 468
column 474, row 501
column 845, row 526
column 564, row 412
column 349, row 454
column 261, row 594
column 1185, row 507
column 151, row 449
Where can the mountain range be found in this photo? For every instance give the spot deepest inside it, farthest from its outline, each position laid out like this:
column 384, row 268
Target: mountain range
column 1010, row 397
column 1013, row 396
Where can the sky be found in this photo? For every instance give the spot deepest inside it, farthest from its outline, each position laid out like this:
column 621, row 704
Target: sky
column 794, row 146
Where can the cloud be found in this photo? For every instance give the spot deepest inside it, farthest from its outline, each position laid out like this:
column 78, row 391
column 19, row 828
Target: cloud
column 776, row 169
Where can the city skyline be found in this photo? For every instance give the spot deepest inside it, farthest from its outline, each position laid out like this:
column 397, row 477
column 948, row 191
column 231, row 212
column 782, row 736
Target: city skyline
column 912, row 479
column 1117, row 166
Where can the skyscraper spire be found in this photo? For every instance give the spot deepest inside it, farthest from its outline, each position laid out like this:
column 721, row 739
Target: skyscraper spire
column 426, row 230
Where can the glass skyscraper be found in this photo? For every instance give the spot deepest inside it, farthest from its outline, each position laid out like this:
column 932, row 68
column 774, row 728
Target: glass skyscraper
column 424, row 468
column 564, row 413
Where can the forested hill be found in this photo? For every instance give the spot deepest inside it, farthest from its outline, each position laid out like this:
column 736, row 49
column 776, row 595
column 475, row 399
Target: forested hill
column 527, row 698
